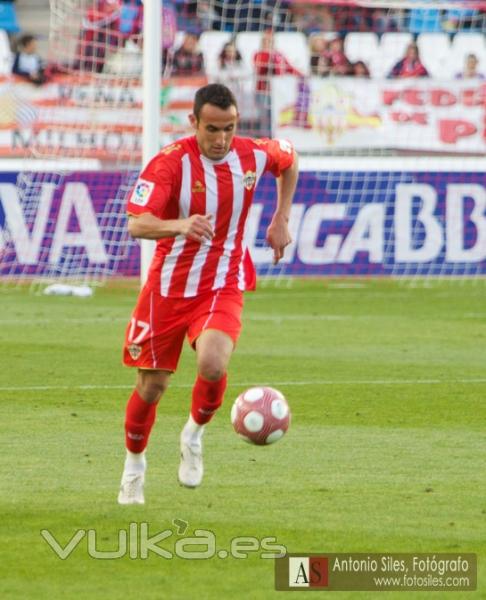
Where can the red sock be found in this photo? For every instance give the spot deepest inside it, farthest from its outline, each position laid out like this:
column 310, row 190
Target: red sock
column 139, row 418
column 207, row 397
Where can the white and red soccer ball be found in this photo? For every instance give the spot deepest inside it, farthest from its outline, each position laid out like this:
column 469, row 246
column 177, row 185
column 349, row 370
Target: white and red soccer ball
column 260, row 415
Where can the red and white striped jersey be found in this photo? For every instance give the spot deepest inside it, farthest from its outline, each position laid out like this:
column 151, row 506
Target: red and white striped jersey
column 180, row 182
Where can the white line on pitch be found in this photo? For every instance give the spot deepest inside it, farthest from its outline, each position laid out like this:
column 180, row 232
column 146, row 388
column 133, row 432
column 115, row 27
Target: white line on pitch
column 249, row 317
column 40, row 388
column 274, row 317
column 269, row 317
column 44, row 320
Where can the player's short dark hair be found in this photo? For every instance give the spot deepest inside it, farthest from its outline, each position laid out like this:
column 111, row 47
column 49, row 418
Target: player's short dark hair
column 216, row 94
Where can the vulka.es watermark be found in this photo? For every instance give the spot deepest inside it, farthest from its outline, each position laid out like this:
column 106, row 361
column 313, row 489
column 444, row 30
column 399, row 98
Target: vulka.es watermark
column 137, row 542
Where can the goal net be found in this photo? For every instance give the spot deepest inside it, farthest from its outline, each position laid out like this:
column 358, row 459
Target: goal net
column 384, row 101
column 64, row 215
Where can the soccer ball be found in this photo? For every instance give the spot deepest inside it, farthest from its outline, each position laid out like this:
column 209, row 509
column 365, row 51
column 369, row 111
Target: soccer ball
column 260, row 415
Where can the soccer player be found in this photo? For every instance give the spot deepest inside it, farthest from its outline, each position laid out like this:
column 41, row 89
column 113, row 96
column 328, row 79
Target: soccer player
column 193, row 198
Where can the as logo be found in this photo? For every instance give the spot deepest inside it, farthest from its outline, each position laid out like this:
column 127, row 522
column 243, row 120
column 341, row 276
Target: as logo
column 249, row 179
column 141, row 193
column 308, row 571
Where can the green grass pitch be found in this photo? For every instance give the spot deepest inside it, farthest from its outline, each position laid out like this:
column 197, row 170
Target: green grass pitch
column 385, row 453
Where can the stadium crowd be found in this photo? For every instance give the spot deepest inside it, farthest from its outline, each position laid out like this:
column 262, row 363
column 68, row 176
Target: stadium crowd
column 339, row 40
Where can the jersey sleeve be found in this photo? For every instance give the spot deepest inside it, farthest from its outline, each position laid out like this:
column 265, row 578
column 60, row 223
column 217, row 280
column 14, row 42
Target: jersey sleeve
column 280, row 156
column 154, row 188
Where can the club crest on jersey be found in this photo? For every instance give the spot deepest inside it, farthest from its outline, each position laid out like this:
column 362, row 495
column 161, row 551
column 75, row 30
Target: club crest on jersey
column 134, row 350
column 249, row 180
column 142, row 191
column 198, row 187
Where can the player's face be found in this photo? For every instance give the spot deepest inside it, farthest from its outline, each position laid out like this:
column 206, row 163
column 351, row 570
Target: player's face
column 215, row 129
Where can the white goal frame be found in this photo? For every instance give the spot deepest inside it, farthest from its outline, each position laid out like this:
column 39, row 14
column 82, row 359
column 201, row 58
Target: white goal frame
column 152, row 35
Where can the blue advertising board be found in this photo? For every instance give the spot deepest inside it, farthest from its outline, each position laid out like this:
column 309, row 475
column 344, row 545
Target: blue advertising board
column 342, row 223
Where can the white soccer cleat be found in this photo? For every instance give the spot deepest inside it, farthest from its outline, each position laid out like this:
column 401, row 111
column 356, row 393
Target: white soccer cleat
column 131, row 489
column 191, row 466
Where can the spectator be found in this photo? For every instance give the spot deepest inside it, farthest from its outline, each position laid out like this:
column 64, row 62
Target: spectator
column 360, row 70
column 128, row 60
column 313, row 19
column 233, row 73
column 187, row 60
column 207, row 15
column 470, row 70
column 268, row 62
column 319, row 56
column 410, row 65
column 132, row 25
column 27, row 62
column 131, row 16
column 100, row 35
column 326, row 19
column 352, row 18
column 169, row 29
column 231, row 67
column 186, row 14
column 460, row 19
column 385, row 20
column 338, row 61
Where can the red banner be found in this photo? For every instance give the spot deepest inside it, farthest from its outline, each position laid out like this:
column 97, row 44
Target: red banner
column 98, row 118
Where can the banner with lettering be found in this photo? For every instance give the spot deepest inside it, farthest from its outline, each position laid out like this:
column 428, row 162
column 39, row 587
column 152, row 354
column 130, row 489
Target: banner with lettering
column 326, row 114
column 79, row 117
column 359, row 222
column 73, row 117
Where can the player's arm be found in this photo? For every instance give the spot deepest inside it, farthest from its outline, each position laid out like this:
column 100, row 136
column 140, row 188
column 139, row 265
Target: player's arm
column 155, row 189
column 278, row 235
column 150, row 227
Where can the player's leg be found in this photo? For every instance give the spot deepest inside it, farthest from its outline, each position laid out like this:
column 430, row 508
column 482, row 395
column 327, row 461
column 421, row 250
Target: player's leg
column 213, row 350
column 213, row 333
column 139, row 419
column 153, row 344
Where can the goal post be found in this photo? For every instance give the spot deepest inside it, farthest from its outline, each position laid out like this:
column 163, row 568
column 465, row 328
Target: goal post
column 152, row 67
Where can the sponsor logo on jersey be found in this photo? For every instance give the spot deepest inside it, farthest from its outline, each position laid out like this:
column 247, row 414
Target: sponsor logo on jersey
column 249, row 179
column 170, row 149
column 135, row 351
column 198, row 187
column 142, row 191
column 285, row 146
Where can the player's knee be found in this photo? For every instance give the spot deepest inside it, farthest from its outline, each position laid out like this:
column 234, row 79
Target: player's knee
column 211, row 371
column 151, row 386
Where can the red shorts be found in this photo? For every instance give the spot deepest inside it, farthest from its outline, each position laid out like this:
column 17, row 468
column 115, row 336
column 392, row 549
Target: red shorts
column 155, row 334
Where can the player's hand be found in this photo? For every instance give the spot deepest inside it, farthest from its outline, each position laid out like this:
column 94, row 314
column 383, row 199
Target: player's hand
column 278, row 236
column 197, row 227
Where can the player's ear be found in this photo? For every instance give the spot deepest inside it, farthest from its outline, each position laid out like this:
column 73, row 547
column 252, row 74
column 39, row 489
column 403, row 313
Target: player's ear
column 193, row 120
